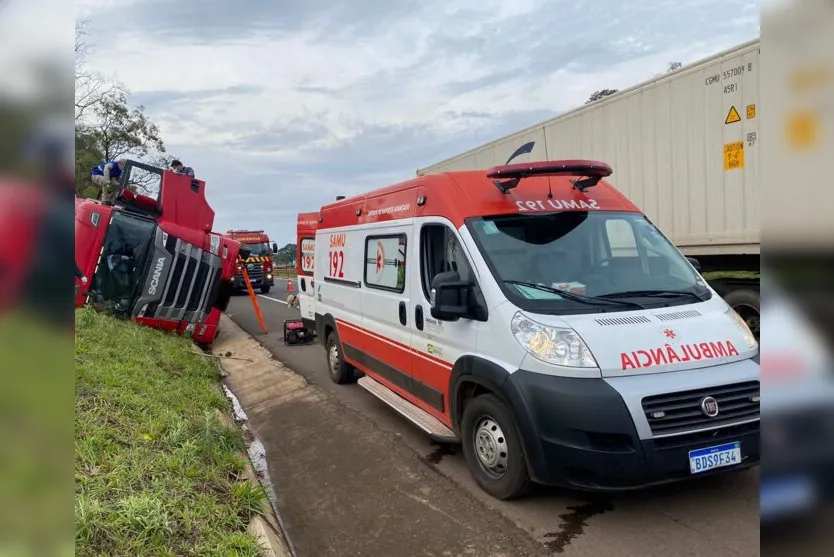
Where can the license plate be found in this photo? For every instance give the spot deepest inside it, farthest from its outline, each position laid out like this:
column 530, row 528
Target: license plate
column 785, row 495
column 710, row 458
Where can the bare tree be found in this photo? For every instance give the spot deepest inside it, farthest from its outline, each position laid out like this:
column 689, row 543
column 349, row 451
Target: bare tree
column 91, row 88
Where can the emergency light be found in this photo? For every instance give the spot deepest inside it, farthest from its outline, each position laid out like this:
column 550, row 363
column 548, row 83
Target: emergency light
column 508, row 176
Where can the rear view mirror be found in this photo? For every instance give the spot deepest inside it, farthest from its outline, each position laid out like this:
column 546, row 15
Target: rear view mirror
column 449, row 297
column 274, row 247
column 695, row 263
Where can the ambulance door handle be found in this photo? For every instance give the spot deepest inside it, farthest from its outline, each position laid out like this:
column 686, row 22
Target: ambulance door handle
column 402, row 313
column 418, row 317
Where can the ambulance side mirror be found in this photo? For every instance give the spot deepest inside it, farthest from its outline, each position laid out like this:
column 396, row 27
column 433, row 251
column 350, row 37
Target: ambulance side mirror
column 695, row 263
column 449, row 297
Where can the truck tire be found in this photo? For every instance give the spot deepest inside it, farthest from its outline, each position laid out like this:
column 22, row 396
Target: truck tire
column 265, row 289
column 340, row 371
column 746, row 302
column 492, row 448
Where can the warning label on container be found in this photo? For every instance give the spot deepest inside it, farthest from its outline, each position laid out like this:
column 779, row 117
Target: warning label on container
column 733, row 155
column 751, row 111
column 733, row 116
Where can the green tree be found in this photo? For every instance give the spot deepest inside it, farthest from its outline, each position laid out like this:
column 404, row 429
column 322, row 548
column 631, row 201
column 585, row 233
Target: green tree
column 118, row 130
column 602, row 93
column 285, row 255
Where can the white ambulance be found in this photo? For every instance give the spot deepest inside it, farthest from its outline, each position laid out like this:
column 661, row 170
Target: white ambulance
column 534, row 314
column 305, row 264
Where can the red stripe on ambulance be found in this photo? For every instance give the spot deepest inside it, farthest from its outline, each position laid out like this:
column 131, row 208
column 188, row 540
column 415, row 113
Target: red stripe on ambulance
column 401, row 346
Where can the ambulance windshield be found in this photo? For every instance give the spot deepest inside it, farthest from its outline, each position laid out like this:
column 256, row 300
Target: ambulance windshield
column 604, row 256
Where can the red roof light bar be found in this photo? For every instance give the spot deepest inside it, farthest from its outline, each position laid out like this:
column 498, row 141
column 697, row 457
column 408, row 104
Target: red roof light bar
column 591, row 171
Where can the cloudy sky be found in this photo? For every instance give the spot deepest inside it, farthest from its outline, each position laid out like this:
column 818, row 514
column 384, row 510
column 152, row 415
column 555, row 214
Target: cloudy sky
column 281, row 105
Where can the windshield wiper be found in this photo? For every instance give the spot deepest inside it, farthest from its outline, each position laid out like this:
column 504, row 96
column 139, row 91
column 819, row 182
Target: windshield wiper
column 573, row 297
column 652, row 294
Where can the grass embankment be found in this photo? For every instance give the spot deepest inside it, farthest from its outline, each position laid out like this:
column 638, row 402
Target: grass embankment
column 284, row 272
column 156, row 471
column 736, row 275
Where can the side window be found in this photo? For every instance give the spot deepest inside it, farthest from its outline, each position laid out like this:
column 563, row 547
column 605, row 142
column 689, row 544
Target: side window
column 385, row 262
column 621, row 238
column 307, row 256
column 441, row 252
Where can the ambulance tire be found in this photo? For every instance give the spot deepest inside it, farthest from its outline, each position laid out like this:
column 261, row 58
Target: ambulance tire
column 340, row 371
column 488, row 427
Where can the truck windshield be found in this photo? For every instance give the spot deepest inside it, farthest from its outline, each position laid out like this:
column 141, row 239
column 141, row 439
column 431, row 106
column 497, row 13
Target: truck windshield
column 260, row 250
column 122, row 263
column 603, row 256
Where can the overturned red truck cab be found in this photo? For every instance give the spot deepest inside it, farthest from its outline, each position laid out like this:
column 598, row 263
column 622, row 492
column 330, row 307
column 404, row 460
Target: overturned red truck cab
column 156, row 261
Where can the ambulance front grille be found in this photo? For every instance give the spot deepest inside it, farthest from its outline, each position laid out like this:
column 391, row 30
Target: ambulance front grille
column 680, row 413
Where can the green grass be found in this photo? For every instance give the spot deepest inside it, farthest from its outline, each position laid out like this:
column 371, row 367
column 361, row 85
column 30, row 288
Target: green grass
column 156, row 471
column 283, row 272
column 739, row 275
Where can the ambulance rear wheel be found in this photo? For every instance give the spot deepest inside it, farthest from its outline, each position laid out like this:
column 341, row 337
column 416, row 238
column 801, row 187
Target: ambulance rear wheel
column 340, row 371
column 492, row 448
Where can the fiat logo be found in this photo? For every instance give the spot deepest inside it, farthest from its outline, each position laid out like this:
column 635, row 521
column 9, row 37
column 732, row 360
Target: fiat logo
column 709, row 406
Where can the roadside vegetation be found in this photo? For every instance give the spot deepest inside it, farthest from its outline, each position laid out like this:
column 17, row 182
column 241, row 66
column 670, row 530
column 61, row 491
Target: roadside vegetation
column 156, row 471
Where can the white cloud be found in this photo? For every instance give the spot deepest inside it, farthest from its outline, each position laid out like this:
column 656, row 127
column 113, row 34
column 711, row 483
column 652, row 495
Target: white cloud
column 264, row 99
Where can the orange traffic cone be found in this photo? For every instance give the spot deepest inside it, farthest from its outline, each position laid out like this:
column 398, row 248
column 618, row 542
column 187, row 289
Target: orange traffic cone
column 289, row 285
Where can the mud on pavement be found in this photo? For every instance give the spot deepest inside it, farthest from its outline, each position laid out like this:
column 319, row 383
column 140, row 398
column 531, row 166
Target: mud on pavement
column 343, row 486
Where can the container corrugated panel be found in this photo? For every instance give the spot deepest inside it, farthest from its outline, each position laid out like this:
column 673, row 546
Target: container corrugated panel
column 675, row 152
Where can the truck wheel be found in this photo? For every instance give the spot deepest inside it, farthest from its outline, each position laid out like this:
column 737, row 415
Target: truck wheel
column 265, row 289
column 340, row 371
column 492, row 448
column 746, row 303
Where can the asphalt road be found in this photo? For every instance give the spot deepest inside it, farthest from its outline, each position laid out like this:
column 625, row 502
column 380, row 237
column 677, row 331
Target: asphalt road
column 714, row 516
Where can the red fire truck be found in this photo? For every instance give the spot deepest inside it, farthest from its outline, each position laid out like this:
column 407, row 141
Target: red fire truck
column 259, row 264
column 156, row 261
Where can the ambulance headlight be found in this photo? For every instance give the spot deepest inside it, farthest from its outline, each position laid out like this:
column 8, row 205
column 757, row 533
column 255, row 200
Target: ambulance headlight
column 554, row 345
column 749, row 339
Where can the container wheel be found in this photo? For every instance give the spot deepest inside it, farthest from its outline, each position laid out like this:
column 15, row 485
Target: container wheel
column 746, row 303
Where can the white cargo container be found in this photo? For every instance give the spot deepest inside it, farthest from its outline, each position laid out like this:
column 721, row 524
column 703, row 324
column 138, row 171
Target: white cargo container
column 684, row 148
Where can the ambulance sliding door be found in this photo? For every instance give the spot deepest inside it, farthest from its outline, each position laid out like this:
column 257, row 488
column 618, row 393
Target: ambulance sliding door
column 386, row 305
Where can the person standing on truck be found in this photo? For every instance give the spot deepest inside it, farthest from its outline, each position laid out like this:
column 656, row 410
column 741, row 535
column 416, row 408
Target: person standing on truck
column 106, row 175
column 179, row 168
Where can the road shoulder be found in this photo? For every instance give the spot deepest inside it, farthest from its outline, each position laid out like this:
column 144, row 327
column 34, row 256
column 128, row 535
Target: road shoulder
column 343, row 486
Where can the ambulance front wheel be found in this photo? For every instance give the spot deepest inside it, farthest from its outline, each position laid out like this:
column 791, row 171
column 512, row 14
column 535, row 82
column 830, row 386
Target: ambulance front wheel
column 492, row 448
column 340, row 371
